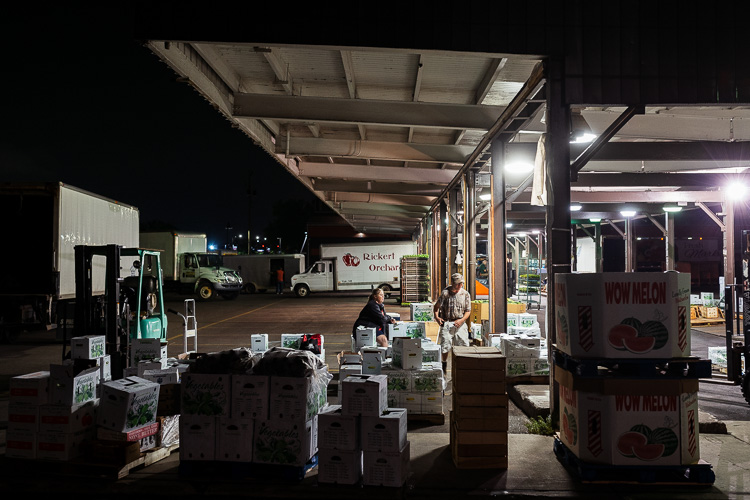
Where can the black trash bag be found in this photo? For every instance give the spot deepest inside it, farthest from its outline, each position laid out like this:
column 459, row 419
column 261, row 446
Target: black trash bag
column 285, row 362
column 235, row 361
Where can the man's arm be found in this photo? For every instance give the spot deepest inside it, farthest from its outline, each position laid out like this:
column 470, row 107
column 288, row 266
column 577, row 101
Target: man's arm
column 436, row 310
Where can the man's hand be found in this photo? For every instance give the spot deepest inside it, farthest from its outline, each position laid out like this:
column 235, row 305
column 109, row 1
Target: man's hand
column 458, row 323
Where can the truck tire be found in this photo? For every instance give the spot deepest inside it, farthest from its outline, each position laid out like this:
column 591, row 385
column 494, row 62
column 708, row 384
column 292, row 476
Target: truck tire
column 386, row 291
column 301, row 290
column 205, row 291
column 250, row 288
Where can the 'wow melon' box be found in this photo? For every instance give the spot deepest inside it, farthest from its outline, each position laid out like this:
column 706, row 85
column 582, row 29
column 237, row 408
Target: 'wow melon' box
column 629, row 422
column 623, row 315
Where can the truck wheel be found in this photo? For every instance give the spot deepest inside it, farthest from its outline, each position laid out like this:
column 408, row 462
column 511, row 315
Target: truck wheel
column 230, row 296
column 386, row 291
column 205, row 291
column 301, row 290
column 250, row 288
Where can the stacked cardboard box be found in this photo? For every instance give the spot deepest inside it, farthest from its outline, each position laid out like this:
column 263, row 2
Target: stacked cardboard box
column 479, row 420
column 626, row 317
column 363, row 439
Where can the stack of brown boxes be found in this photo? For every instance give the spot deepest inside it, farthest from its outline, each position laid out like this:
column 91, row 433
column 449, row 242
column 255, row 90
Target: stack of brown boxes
column 479, row 420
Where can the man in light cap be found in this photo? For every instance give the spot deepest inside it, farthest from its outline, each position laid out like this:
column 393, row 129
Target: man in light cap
column 452, row 309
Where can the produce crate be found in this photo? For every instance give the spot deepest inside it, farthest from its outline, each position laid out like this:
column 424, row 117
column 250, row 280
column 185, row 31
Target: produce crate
column 516, row 308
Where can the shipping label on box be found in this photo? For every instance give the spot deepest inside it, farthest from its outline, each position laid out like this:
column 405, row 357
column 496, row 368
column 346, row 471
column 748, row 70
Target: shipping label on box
column 407, row 353
column 128, row 403
column 68, row 387
column 296, row 398
column 20, row 443
column 630, row 422
column 147, row 349
column 432, row 403
column 259, row 342
column 31, row 388
column 88, row 347
column 386, row 469
column 411, row 402
column 68, row 419
column 422, row 311
column 386, row 432
column 623, row 315
column 339, row 466
column 198, row 437
column 137, row 434
column 337, row 431
column 250, row 396
column 234, row 439
column 206, row 394
column 365, row 395
column 285, row 442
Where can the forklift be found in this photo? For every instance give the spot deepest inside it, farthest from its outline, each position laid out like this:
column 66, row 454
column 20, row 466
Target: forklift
column 132, row 307
column 737, row 319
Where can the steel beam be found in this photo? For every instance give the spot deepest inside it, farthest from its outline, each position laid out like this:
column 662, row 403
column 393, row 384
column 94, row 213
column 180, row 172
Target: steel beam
column 370, row 112
column 363, row 172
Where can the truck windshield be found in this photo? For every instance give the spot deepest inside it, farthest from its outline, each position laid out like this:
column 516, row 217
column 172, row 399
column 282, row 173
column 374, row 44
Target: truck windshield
column 210, row 260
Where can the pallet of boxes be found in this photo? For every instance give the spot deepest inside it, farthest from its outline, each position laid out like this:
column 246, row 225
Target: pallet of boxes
column 628, row 385
column 525, row 349
column 76, row 413
column 256, row 411
column 479, row 418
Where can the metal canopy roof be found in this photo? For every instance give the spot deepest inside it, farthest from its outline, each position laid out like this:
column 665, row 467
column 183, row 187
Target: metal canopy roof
column 379, row 134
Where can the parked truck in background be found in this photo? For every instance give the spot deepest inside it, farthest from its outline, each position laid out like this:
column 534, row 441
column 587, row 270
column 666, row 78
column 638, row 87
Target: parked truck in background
column 189, row 267
column 355, row 266
column 42, row 223
column 258, row 272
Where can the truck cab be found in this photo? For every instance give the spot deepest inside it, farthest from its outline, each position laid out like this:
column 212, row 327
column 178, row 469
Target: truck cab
column 319, row 278
column 205, row 274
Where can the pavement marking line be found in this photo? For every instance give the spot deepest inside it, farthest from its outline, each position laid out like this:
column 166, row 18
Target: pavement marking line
column 227, row 319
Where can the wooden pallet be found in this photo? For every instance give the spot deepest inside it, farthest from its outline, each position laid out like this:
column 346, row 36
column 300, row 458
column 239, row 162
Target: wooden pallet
column 700, row 474
column 86, row 467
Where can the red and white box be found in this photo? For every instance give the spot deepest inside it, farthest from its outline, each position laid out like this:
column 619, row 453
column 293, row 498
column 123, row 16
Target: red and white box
column 629, row 422
column 31, row 388
column 623, row 315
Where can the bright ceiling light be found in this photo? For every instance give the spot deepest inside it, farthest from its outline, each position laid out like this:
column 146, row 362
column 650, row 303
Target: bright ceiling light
column 627, row 213
column 595, row 220
column 485, row 197
column 672, row 208
column 736, row 191
column 534, row 231
column 508, row 224
column 519, row 167
column 584, row 138
column 575, row 208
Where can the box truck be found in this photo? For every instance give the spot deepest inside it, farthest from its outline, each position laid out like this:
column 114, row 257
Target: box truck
column 42, row 223
column 355, row 266
column 258, row 272
column 188, row 267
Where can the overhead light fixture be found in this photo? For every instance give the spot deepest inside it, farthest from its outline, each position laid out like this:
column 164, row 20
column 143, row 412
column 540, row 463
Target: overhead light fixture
column 736, row 191
column 508, row 224
column 672, row 208
column 485, row 194
column 595, row 220
column 575, row 208
column 519, row 167
column 627, row 213
column 534, row 231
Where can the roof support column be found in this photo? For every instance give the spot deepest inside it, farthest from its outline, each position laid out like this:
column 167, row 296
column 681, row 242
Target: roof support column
column 630, row 253
column 669, row 240
column 442, row 215
column 470, row 233
column 497, row 241
column 598, row 261
column 455, row 235
column 557, row 174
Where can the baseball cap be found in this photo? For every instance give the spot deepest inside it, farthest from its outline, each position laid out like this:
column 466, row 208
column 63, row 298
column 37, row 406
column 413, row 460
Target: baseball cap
column 457, row 278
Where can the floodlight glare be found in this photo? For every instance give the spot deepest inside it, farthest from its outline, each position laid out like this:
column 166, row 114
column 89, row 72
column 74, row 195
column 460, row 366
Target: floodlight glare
column 575, row 208
column 519, row 167
column 627, row 213
column 736, row 191
column 595, row 220
column 672, row 208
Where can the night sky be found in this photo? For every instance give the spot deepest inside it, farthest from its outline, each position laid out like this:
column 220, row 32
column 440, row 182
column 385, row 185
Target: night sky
column 85, row 104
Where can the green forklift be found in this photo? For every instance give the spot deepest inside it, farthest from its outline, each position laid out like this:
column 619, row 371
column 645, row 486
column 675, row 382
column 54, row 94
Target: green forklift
column 132, row 307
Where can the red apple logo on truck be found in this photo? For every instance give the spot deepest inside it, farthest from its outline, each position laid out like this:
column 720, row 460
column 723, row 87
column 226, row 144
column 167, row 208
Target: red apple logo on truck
column 350, row 260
